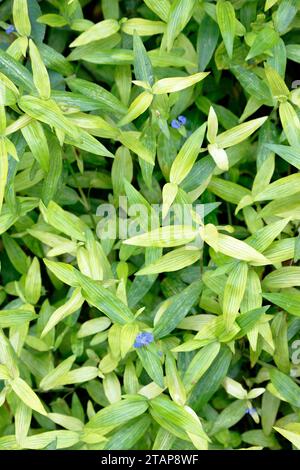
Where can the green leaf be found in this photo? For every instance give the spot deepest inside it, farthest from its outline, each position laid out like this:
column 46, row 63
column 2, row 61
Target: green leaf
column 234, row 292
column 290, row 123
column 118, row 413
column 53, row 378
column 226, row 21
column 178, row 307
column 288, row 153
column 137, row 107
column 286, row 387
column 100, row 30
column 179, row 15
column 283, row 187
column 107, row 101
column 168, row 236
column 52, row 19
column 277, row 85
column 27, row 395
column 33, row 283
column 264, row 41
column 150, row 359
column 143, row 27
column 231, row 415
column 173, row 380
column 291, row 432
column 178, row 420
column 187, row 155
column 72, row 305
column 142, row 65
column 287, row 301
column 35, row 137
column 172, row 261
column 48, row 112
column 171, row 85
column 239, row 133
column 284, row 15
column 16, row 317
column 21, row 17
column 208, row 34
column 17, row 72
column 161, row 8
column 63, row 439
column 104, row 300
column 127, row 436
column 200, row 363
column 40, row 75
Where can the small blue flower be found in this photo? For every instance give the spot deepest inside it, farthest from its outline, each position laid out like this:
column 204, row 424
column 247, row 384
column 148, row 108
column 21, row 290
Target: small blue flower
column 175, row 124
column 250, row 411
column 179, row 122
column 182, row 120
column 10, row 29
column 143, row 339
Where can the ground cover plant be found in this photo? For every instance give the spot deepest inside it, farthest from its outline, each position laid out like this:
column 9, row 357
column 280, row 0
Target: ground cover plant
column 150, row 206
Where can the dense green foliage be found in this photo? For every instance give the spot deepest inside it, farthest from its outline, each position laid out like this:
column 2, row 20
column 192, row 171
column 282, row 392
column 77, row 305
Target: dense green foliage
column 149, row 215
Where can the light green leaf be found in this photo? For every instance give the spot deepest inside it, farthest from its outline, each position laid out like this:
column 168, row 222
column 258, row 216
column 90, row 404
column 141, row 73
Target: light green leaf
column 100, row 30
column 27, row 395
column 171, row 85
column 172, row 261
column 234, row 292
column 21, row 17
column 239, row 133
column 179, row 15
column 40, row 74
column 187, row 155
column 226, row 21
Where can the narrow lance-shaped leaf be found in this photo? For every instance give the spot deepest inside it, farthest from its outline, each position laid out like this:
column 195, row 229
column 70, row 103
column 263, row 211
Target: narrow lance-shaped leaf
column 186, row 157
column 178, row 307
column 74, row 303
column 118, row 413
column 104, row 300
column 150, row 359
column 98, row 31
column 162, row 8
column 40, row 74
column 174, row 381
column 27, row 395
column 171, row 85
column 286, row 387
column 179, row 15
column 47, row 111
column 21, row 17
column 137, row 107
column 200, row 364
column 3, row 169
column 290, row 123
column 142, row 65
column 172, row 261
column 35, row 137
column 234, row 292
column 168, row 236
column 239, row 133
column 226, row 21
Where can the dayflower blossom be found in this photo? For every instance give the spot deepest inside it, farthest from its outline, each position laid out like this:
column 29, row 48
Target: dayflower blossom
column 179, row 122
column 143, row 339
column 10, row 29
column 253, row 413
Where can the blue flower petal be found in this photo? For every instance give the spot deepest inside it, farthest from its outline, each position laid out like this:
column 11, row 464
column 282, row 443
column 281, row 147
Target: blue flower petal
column 10, row 29
column 182, row 120
column 175, row 124
column 143, row 339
